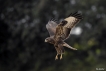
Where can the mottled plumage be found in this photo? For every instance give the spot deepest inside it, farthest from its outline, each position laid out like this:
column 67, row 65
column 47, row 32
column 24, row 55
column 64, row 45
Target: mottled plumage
column 60, row 32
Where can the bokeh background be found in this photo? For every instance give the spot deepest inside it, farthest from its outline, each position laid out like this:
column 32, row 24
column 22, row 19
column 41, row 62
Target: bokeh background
column 23, row 31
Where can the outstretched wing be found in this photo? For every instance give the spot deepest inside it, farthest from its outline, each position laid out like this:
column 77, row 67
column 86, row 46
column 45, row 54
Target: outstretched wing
column 51, row 27
column 63, row 29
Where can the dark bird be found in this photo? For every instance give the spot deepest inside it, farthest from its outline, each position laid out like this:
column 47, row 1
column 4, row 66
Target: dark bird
column 60, row 32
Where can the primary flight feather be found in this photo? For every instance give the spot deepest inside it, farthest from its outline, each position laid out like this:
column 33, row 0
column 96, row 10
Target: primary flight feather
column 60, row 32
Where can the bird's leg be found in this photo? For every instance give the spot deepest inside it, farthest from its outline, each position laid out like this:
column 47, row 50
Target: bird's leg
column 56, row 57
column 66, row 45
column 61, row 57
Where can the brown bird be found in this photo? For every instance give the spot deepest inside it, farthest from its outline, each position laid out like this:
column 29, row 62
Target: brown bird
column 60, row 32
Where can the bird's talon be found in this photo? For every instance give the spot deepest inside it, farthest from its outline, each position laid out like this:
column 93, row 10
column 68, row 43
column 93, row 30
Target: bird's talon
column 56, row 57
column 61, row 57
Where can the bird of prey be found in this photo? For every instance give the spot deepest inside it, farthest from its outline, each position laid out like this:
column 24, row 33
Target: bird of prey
column 60, row 32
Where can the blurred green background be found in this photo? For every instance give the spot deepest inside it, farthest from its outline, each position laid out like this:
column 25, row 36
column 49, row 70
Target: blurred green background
column 23, row 31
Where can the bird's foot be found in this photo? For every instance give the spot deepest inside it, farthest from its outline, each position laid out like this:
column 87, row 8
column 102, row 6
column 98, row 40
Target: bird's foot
column 56, row 57
column 61, row 57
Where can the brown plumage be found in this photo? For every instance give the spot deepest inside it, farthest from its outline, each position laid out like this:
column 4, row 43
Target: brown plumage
column 60, row 32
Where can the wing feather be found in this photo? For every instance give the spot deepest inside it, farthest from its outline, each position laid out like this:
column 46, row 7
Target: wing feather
column 51, row 27
column 67, row 24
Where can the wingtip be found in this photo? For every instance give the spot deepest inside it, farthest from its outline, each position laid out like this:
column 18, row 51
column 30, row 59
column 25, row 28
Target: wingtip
column 53, row 20
column 76, row 15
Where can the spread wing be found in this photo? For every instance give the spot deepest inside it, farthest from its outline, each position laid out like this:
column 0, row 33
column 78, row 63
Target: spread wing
column 63, row 29
column 51, row 27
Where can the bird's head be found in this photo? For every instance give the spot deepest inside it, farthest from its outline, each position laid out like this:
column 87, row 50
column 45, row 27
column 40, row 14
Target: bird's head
column 49, row 40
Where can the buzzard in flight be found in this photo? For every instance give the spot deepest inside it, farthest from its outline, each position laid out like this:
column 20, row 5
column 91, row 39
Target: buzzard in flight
column 60, row 32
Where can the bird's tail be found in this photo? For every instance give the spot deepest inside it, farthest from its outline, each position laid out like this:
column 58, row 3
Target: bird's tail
column 68, row 46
